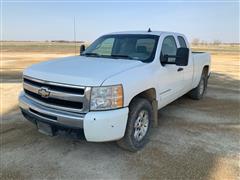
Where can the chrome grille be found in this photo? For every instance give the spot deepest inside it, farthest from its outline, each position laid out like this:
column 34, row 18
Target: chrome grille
column 56, row 95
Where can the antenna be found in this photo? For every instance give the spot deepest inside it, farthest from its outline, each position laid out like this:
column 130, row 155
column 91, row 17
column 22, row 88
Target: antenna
column 149, row 30
column 74, row 34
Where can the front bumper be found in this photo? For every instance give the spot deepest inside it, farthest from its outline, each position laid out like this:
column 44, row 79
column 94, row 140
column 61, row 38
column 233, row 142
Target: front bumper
column 98, row 126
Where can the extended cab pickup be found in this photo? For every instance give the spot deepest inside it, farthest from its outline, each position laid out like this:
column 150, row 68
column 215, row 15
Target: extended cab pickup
column 113, row 90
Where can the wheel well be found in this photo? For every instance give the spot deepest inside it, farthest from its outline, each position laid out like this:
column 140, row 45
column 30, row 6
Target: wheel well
column 149, row 94
column 206, row 70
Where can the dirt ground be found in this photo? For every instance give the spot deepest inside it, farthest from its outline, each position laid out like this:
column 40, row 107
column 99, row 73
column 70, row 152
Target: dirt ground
column 194, row 140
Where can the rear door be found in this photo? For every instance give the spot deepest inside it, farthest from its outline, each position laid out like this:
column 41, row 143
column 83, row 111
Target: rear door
column 187, row 70
column 171, row 80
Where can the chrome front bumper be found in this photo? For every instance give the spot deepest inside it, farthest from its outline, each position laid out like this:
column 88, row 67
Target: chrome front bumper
column 38, row 112
column 97, row 126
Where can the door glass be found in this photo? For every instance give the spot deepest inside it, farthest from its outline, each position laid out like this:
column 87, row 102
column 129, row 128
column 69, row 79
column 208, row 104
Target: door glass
column 169, row 47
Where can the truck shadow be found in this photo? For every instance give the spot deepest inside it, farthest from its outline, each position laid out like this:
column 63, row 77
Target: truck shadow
column 159, row 159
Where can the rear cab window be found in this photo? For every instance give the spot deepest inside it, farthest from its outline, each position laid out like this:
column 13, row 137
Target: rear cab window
column 182, row 42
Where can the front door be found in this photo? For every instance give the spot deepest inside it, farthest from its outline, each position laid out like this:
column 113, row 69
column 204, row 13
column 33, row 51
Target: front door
column 172, row 76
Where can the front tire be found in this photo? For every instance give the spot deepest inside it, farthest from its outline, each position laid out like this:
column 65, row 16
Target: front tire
column 140, row 119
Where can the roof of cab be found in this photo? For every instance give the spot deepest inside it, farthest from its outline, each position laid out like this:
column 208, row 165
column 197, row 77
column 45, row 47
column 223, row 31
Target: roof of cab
column 158, row 33
column 141, row 32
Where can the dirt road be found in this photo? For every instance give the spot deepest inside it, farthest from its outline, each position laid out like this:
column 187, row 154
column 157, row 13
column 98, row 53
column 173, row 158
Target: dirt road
column 194, row 140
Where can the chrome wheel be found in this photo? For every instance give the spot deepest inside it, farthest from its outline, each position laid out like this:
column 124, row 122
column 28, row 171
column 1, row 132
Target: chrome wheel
column 201, row 88
column 141, row 125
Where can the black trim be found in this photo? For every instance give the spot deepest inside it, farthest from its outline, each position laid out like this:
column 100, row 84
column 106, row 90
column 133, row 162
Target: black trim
column 34, row 119
column 56, row 102
column 43, row 115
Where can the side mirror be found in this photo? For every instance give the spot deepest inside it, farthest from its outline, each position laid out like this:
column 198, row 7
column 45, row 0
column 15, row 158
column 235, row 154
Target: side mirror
column 82, row 48
column 182, row 56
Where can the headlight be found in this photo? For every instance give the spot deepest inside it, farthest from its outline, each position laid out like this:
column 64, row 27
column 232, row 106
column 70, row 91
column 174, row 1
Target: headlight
column 108, row 97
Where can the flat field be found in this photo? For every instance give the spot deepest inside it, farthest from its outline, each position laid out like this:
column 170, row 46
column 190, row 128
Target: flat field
column 194, row 140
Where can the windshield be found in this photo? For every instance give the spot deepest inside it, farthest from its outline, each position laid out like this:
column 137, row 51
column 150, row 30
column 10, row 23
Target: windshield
column 124, row 46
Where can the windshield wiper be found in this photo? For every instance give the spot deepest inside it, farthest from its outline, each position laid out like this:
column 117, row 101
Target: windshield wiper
column 121, row 56
column 91, row 54
column 107, row 56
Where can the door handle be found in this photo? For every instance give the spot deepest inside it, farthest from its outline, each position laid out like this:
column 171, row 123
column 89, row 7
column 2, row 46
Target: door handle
column 180, row 69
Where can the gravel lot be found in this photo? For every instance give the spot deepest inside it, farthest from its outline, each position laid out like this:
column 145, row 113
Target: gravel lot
column 194, row 140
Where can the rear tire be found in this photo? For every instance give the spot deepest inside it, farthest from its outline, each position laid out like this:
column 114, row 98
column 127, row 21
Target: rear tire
column 198, row 92
column 140, row 119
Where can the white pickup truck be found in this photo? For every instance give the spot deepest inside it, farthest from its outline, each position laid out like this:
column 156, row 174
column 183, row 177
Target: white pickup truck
column 113, row 90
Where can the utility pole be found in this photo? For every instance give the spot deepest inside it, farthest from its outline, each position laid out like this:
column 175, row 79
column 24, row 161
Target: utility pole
column 74, row 31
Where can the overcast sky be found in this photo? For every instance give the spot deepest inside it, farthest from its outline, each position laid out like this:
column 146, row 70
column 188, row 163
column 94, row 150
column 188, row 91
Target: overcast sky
column 44, row 20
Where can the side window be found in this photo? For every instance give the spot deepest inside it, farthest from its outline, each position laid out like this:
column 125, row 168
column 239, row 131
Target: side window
column 182, row 42
column 169, row 47
column 105, row 48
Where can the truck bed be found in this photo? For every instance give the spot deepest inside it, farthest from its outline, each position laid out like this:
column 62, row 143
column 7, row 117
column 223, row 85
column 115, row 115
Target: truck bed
column 200, row 59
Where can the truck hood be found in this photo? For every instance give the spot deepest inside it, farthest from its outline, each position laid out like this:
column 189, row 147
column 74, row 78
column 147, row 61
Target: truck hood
column 80, row 70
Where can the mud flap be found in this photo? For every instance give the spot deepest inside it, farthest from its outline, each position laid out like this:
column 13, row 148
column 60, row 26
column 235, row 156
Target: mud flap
column 155, row 113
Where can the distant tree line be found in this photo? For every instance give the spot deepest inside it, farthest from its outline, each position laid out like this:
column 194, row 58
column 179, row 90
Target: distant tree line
column 197, row 41
column 64, row 41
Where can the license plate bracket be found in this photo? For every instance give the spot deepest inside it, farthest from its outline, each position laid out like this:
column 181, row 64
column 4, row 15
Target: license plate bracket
column 45, row 128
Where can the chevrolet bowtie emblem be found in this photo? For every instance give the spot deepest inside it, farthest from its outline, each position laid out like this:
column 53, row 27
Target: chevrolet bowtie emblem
column 44, row 92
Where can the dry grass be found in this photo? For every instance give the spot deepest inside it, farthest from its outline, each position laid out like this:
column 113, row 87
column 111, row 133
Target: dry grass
column 225, row 58
column 19, row 55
